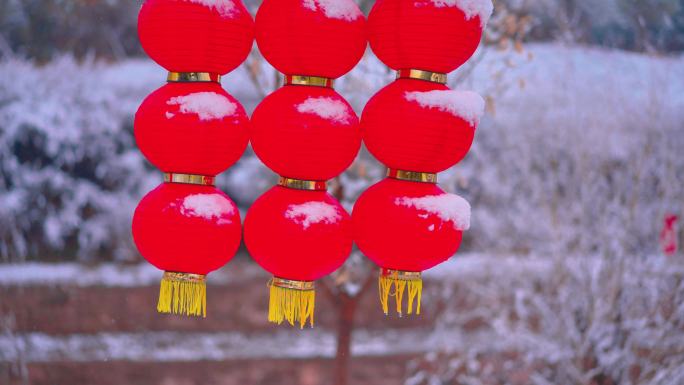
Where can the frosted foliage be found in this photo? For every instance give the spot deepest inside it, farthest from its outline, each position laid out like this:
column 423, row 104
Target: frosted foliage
column 225, row 8
column 472, row 8
column 466, row 105
column 208, row 206
column 206, row 105
column 448, row 207
column 310, row 213
column 71, row 174
column 566, row 320
column 335, row 9
column 327, row 108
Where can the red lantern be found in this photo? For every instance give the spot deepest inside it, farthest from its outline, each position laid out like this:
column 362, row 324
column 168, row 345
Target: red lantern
column 187, row 231
column 186, row 36
column 324, row 38
column 420, row 126
column 308, row 133
column 194, row 128
column 407, row 227
column 430, row 35
column 298, row 236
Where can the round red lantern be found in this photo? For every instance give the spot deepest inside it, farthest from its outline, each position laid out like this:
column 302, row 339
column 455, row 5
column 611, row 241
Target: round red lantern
column 194, row 128
column 429, row 35
column 323, row 38
column 423, row 126
column 298, row 236
column 406, row 227
column 187, row 36
column 188, row 231
column 304, row 132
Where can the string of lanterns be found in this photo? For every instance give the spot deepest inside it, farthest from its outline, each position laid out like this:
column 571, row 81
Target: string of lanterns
column 417, row 127
column 192, row 130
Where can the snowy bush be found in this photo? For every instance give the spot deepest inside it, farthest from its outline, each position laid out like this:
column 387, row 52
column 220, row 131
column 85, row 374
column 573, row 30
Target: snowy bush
column 561, row 321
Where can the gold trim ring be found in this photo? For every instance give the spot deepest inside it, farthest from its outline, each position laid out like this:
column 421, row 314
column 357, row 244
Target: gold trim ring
column 298, row 184
column 435, row 77
column 399, row 274
column 183, row 277
column 202, row 180
column 191, row 77
column 302, row 80
column 291, row 284
column 413, row 176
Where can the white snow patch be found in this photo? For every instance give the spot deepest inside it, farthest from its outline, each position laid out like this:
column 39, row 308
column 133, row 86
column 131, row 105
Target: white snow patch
column 466, row 105
column 309, row 213
column 448, row 207
column 225, row 8
column 471, row 8
column 207, row 206
column 335, row 9
column 207, row 105
column 326, row 108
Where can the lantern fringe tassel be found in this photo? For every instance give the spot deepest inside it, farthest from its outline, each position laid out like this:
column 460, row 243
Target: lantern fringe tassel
column 401, row 281
column 293, row 305
column 183, row 294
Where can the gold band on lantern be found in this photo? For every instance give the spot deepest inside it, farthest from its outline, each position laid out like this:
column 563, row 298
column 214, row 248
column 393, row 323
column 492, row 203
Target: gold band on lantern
column 399, row 274
column 298, row 184
column 202, row 180
column 183, row 277
column 291, row 284
column 190, row 77
column 316, row 81
column 435, row 77
column 413, row 176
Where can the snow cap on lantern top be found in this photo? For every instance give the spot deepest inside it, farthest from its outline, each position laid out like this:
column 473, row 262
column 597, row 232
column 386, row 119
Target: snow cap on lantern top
column 206, row 105
column 471, row 8
column 323, row 38
column 466, row 105
column 429, row 35
column 225, row 8
column 448, row 207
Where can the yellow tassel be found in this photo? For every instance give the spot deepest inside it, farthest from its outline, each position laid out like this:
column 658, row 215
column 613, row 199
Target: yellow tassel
column 401, row 281
column 184, row 294
column 291, row 301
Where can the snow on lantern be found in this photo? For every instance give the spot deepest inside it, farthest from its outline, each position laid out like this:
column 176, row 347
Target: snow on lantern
column 192, row 130
column 307, row 133
column 417, row 127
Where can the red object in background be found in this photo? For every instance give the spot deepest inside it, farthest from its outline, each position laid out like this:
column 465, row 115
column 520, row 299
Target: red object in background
column 394, row 228
column 187, row 228
column 194, row 128
column 429, row 35
column 304, row 132
column 668, row 235
column 323, row 38
column 403, row 134
column 196, row 36
column 298, row 235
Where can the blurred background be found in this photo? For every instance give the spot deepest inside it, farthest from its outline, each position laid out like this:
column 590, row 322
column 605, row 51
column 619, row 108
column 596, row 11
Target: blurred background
column 572, row 272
